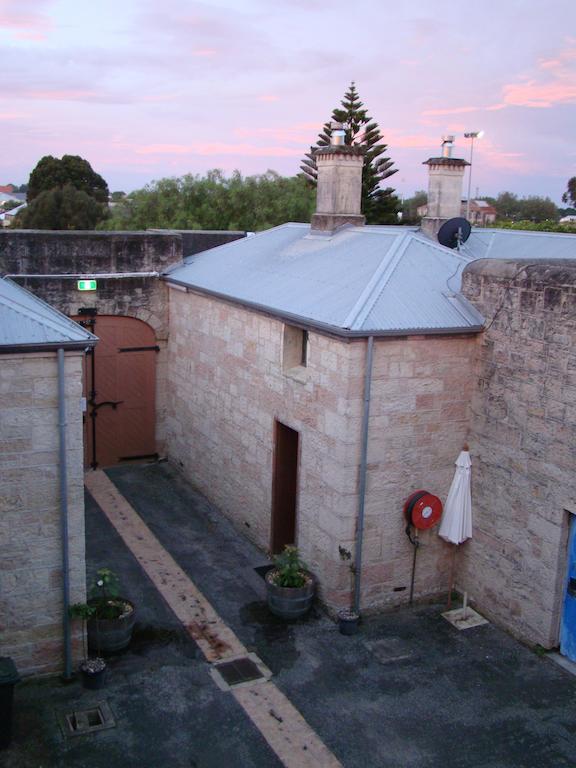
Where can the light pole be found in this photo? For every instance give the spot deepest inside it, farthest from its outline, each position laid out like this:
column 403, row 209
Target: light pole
column 471, row 135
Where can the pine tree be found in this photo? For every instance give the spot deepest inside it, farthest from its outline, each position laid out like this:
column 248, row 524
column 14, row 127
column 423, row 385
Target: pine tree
column 379, row 205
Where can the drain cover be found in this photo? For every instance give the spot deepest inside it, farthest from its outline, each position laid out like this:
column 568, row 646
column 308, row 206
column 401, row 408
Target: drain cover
column 389, row 649
column 241, row 671
column 83, row 721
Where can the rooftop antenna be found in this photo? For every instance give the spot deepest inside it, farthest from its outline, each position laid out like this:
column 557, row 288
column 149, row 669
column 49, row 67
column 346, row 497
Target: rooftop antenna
column 454, row 232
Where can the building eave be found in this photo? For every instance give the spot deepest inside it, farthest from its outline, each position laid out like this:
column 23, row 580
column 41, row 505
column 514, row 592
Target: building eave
column 324, row 328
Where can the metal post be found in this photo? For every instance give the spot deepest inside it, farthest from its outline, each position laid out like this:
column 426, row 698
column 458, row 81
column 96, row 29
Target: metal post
column 64, row 514
column 362, row 483
column 472, row 137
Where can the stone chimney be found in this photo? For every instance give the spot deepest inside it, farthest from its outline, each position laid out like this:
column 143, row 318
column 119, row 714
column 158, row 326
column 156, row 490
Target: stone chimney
column 339, row 187
column 445, row 176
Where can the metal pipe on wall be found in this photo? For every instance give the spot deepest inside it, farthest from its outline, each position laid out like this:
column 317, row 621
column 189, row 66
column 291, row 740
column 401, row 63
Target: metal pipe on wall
column 363, row 469
column 63, row 474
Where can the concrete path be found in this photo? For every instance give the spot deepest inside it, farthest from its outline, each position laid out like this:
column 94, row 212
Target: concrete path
column 279, row 722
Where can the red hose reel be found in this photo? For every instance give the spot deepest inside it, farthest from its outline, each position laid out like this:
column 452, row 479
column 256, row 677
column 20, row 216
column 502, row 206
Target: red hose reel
column 422, row 510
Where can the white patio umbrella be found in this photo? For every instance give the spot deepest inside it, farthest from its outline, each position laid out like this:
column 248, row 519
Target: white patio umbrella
column 456, row 524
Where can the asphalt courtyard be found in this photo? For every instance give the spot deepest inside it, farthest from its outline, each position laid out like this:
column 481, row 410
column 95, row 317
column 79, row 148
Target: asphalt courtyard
column 409, row 691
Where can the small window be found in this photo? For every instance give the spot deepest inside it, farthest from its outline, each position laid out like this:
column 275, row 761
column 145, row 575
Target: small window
column 295, row 348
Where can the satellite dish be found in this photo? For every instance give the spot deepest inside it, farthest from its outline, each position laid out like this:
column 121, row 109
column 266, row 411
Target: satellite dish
column 454, row 232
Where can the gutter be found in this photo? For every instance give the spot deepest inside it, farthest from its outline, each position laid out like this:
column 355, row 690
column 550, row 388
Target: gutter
column 332, row 330
column 9, row 349
column 88, row 276
column 363, row 473
column 63, row 475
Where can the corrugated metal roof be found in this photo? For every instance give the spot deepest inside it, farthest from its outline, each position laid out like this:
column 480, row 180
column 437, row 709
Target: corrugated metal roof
column 26, row 320
column 518, row 244
column 362, row 279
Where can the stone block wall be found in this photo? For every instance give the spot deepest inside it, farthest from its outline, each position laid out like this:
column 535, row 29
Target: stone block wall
column 226, row 388
column 34, row 252
column 421, row 389
column 30, row 538
column 523, row 443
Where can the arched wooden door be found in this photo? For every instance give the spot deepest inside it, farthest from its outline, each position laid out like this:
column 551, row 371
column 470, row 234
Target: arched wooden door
column 120, row 391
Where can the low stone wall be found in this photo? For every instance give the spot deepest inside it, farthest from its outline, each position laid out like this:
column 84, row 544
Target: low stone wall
column 523, row 443
column 31, row 601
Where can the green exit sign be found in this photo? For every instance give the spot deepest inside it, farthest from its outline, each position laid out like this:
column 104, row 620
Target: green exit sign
column 87, row 285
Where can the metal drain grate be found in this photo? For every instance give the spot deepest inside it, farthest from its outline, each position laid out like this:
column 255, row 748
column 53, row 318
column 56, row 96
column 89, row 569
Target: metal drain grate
column 242, row 671
column 83, row 721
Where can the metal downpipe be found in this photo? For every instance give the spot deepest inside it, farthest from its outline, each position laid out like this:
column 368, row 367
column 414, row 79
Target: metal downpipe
column 362, row 483
column 63, row 473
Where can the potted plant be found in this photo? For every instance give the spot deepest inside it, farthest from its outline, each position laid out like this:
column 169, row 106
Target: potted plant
column 111, row 621
column 93, row 670
column 290, row 586
column 348, row 618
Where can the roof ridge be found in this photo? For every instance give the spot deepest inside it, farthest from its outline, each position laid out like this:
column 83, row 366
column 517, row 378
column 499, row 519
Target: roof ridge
column 377, row 282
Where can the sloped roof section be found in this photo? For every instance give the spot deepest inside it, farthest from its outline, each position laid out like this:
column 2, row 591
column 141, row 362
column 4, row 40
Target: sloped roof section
column 29, row 323
column 359, row 281
column 518, row 244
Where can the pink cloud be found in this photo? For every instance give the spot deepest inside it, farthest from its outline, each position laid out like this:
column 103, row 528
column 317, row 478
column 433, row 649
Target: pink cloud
column 268, row 97
column 450, row 111
column 23, row 20
column 555, row 82
column 540, row 95
column 216, row 148
column 204, row 52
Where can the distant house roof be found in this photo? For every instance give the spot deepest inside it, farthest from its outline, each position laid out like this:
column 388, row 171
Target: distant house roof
column 29, row 324
column 12, row 211
column 518, row 244
column 360, row 281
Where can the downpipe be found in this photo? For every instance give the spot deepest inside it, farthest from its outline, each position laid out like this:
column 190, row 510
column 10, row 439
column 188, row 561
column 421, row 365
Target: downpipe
column 63, row 475
column 363, row 470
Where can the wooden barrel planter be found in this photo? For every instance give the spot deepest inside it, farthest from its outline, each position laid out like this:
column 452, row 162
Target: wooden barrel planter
column 290, row 602
column 111, row 635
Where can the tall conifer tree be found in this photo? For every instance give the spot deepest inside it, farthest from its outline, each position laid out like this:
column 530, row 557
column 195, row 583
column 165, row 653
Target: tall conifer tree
column 379, row 205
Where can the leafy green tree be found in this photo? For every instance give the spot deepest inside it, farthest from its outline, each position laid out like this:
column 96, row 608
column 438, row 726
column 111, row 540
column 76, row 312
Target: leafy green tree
column 51, row 172
column 117, row 196
column 215, row 202
column 537, row 209
column 570, row 195
column 379, row 205
column 61, row 208
column 510, row 207
column 410, row 207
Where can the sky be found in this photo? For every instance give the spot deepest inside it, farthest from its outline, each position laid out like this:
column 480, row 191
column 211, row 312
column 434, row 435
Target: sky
column 145, row 90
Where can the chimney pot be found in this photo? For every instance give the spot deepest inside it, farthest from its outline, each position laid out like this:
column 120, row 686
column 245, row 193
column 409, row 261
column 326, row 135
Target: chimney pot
column 338, row 135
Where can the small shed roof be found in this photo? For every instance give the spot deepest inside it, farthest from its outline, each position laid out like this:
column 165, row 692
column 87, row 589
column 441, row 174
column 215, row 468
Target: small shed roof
column 518, row 244
column 27, row 323
column 360, row 281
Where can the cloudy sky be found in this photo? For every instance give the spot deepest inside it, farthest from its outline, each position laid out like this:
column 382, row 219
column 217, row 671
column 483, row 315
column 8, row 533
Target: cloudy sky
column 146, row 89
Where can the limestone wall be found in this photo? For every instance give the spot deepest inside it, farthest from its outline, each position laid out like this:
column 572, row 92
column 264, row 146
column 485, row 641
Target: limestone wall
column 226, row 387
column 421, row 390
column 30, row 538
column 523, row 444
